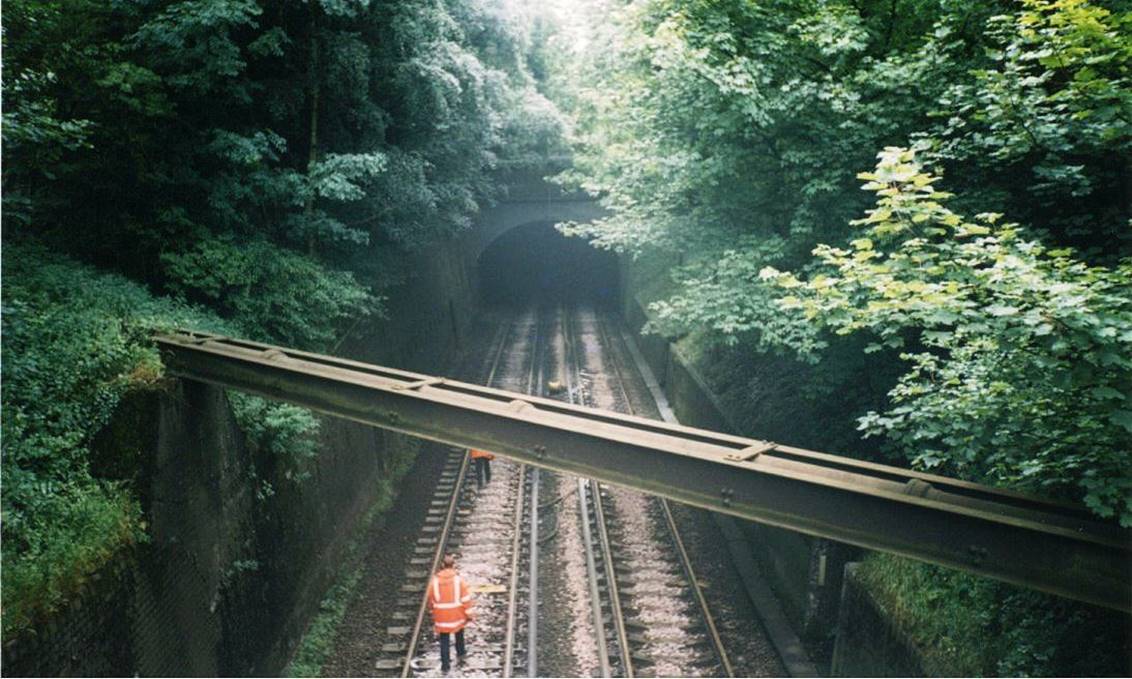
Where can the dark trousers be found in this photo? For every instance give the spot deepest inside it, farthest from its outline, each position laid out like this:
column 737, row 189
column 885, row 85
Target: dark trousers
column 483, row 471
column 460, row 650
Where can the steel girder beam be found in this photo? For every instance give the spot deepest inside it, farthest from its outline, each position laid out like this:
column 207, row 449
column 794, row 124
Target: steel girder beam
column 1054, row 547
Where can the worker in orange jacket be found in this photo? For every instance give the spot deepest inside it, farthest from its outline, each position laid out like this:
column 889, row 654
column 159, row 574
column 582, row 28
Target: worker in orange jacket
column 450, row 601
column 482, row 459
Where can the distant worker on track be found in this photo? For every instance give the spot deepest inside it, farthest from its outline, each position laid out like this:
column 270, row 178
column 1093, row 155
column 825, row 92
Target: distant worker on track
column 483, row 459
column 450, row 600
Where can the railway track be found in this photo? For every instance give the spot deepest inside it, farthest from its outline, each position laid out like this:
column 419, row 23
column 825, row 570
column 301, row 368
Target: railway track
column 493, row 535
column 633, row 636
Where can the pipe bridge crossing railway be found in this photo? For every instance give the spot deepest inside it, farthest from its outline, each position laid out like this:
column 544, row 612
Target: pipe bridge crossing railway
column 1050, row 546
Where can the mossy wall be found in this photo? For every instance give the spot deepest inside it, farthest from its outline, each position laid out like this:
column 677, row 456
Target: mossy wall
column 869, row 643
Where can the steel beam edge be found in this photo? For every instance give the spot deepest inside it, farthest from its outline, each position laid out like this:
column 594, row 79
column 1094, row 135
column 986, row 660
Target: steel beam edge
column 1053, row 550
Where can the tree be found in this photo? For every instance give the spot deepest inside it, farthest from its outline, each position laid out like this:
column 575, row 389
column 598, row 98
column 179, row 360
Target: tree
column 1019, row 355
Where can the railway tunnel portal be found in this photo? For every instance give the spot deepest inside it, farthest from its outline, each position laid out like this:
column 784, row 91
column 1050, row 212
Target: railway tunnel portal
column 534, row 263
column 520, row 258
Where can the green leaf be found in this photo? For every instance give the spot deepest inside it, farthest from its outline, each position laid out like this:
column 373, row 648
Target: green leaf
column 1122, row 418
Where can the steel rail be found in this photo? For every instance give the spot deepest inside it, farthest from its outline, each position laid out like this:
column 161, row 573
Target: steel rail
column 617, row 614
column 446, row 528
column 442, row 542
column 1054, row 547
column 681, row 551
column 570, row 375
column 513, row 585
column 532, row 582
column 591, row 570
column 517, row 538
column 533, row 553
column 612, row 588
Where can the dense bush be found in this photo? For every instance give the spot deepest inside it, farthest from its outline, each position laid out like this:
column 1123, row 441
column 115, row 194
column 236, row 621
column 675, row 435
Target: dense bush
column 731, row 134
column 75, row 342
column 1020, row 356
column 274, row 292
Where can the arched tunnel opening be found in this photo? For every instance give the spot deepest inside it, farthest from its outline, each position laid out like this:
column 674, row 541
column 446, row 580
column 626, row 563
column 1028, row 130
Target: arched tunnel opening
column 535, row 263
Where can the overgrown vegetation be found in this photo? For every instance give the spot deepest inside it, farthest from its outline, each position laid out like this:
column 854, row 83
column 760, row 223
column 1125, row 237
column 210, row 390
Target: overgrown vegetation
column 989, row 258
column 1018, row 353
column 963, row 625
column 253, row 167
column 733, row 135
column 75, row 343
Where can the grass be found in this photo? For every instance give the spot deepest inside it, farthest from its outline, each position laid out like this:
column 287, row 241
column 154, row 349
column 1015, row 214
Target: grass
column 929, row 605
column 963, row 625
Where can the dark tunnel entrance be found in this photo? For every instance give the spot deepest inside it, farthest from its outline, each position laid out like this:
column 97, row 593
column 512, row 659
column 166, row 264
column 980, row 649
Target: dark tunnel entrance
column 536, row 263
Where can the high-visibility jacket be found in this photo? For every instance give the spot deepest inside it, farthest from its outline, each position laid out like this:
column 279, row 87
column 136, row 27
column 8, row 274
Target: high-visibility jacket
column 476, row 453
column 450, row 601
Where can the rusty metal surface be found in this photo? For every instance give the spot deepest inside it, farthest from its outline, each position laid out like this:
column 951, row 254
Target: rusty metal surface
column 1006, row 535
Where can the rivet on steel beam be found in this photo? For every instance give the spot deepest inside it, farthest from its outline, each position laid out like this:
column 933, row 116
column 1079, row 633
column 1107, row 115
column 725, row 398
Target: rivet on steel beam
column 274, row 355
column 540, row 451
column 728, row 495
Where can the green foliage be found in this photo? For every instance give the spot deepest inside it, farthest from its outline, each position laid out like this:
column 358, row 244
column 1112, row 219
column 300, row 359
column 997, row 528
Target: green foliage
column 152, row 137
column 75, row 342
column 969, row 626
column 279, row 294
column 1052, row 106
column 728, row 134
column 270, row 162
column 285, row 431
column 1020, row 356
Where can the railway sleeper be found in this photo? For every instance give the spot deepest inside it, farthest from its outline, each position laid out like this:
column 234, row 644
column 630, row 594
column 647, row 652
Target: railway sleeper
column 655, row 588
